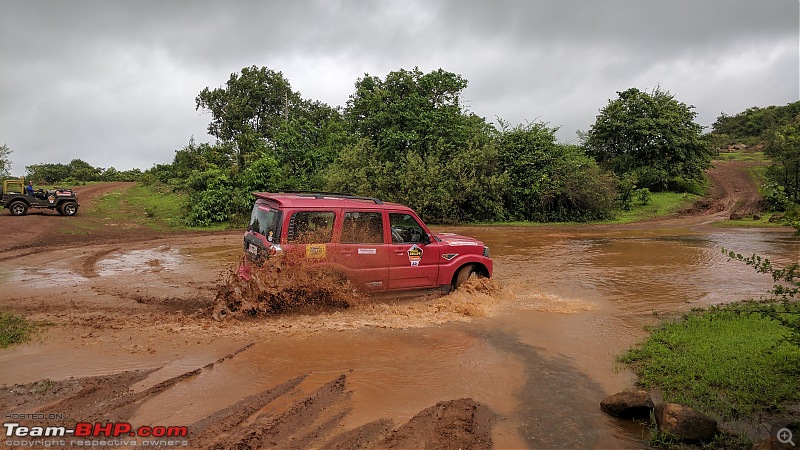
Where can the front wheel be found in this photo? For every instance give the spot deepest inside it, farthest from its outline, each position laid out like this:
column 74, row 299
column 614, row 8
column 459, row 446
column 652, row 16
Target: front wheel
column 463, row 275
column 18, row 208
column 69, row 209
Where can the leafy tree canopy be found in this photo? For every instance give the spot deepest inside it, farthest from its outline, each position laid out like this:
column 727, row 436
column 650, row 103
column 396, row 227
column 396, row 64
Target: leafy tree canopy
column 650, row 135
column 783, row 146
column 412, row 111
column 551, row 182
column 5, row 161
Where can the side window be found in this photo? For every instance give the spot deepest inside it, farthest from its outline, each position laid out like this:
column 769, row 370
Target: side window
column 362, row 228
column 405, row 228
column 310, row 227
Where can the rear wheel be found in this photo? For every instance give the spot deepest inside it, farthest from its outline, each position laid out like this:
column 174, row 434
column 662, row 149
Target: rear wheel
column 463, row 275
column 68, row 209
column 18, row 208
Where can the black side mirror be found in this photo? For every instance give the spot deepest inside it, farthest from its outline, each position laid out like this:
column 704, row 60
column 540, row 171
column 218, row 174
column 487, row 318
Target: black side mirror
column 426, row 238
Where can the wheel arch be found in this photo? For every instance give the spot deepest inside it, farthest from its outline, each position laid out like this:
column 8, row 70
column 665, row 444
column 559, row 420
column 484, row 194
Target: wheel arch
column 20, row 198
column 479, row 268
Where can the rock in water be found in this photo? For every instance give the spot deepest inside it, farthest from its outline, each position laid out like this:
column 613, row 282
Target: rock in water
column 628, row 404
column 684, row 422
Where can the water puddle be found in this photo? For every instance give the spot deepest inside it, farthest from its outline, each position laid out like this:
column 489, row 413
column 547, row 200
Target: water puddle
column 38, row 278
column 140, row 261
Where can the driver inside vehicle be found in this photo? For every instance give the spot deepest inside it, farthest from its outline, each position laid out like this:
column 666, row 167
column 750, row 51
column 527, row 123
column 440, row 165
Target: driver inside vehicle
column 405, row 229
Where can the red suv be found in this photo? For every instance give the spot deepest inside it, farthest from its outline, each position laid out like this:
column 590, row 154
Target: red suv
column 380, row 246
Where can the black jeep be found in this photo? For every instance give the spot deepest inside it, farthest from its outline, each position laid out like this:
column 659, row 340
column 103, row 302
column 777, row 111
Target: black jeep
column 65, row 201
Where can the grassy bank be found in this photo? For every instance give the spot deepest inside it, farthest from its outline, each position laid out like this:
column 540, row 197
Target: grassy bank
column 14, row 329
column 154, row 206
column 734, row 362
column 661, row 204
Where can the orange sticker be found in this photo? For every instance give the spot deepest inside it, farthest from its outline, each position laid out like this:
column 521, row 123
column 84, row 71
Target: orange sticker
column 316, row 251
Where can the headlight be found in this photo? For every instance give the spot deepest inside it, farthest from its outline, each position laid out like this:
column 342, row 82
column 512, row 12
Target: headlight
column 486, row 251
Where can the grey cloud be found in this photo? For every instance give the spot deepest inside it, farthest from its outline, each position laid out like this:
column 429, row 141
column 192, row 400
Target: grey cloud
column 114, row 82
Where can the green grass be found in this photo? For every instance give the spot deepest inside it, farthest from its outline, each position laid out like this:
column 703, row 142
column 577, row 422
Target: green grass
column 154, row 206
column 661, row 204
column 730, row 361
column 756, row 156
column 14, row 329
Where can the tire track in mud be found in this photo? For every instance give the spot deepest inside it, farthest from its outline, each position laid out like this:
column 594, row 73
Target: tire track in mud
column 283, row 416
column 100, row 398
column 88, row 266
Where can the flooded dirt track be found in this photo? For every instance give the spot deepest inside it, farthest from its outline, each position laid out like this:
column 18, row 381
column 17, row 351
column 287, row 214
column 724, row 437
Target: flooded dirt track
column 521, row 361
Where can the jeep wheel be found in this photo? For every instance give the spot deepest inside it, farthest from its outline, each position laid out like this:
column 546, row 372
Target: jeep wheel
column 463, row 275
column 68, row 209
column 18, row 208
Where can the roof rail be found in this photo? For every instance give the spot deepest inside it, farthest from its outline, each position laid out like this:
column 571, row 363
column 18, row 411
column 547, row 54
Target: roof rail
column 321, row 194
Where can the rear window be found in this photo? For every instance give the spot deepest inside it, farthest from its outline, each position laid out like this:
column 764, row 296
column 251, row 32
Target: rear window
column 311, row 227
column 266, row 222
column 362, row 228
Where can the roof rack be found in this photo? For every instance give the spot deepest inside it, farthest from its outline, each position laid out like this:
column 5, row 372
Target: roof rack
column 320, row 195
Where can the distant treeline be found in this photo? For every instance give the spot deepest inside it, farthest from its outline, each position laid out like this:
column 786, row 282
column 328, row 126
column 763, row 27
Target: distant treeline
column 77, row 171
column 409, row 138
column 754, row 125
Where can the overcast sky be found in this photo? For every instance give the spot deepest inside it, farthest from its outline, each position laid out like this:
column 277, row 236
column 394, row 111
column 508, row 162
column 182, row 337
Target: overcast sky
column 114, row 82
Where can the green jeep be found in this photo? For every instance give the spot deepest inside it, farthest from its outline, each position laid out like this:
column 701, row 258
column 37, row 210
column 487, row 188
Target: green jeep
column 14, row 197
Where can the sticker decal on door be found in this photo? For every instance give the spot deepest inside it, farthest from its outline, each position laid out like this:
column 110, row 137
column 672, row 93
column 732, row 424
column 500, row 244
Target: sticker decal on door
column 316, row 251
column 414, row 255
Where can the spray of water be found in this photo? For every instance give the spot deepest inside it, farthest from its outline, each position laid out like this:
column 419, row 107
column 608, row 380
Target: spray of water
column 287, row 285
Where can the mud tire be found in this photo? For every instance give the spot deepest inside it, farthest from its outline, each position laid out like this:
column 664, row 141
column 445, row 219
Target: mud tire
column 68, row 209
column 18, row 208
column 463, row 275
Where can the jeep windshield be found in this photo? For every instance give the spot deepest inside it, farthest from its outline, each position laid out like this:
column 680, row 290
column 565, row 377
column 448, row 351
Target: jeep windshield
column 266, row 222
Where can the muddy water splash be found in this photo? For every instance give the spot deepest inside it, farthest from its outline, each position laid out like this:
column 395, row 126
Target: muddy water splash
column 322, row 292
column 289, row 285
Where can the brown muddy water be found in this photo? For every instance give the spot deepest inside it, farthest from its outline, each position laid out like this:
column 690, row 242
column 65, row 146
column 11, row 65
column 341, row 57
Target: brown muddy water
column 539, row 349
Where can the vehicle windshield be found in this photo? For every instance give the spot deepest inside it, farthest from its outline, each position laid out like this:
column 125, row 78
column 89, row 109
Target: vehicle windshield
column 266, row 222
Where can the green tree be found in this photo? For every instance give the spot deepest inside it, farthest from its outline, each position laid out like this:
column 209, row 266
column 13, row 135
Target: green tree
column 249, row 108
column 47, row 172
column 5, row 161
column 80, row 170
column 257, row 113
column 547, row 181
column 783, row 147
column 412, row 111
column 652, row 136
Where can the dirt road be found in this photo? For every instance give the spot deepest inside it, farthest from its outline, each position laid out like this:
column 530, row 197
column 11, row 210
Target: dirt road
column 128, row 319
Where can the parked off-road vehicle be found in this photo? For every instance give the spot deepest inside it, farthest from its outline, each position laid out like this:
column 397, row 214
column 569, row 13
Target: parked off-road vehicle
column 379, row 246
column 14, row 197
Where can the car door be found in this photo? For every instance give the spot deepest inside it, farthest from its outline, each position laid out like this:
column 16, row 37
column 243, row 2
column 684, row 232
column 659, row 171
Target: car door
column 413, row 263
column 363, row 248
